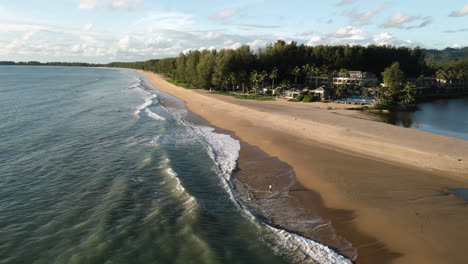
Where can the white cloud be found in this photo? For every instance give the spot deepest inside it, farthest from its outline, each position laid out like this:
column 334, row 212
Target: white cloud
column 224, row 14
column 383, row 39
column 211, row 36
column 166, row 20
column 459, row 13
column 456, row 46
column 126, row 4
column 87, row 27
column 87, row 4
column 397, row 20
column 350, row 33
column 256, row 44
column 360, row 18
column 346, row 2
column 400, row 20
column 314, row 41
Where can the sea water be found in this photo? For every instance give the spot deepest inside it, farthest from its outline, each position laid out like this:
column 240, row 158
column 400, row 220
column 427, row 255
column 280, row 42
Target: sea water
column 95, row 169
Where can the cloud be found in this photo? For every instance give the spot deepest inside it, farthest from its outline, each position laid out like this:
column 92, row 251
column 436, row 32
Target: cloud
column 225, row 14
column 306, row 33
column 87, row 4
column 126, row 4
column 349, row 33
column 360, row 18
column 256, row 26
column 87, row 27
column 166, row 20
column 455, row 30
column 211, row 36
column 112, row 4
column 383, row 39
column 399, row 20
column 424, row 22
column 459, row 13
column 314, row 41
column 345, row 2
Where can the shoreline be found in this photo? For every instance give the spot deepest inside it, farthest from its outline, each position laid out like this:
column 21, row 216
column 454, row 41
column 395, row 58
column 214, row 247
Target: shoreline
column 373, row 212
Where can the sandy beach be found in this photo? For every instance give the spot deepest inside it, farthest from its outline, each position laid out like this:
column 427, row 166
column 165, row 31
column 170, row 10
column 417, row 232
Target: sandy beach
column 385, row 189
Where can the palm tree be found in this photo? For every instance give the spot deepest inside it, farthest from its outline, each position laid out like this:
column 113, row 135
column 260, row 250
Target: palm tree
column 273, row 75
column 408, row 93
column 307, row 69
column 262, row 77
column 242, row 78
column 254, row 79
column 296, row 71
column 232, row 79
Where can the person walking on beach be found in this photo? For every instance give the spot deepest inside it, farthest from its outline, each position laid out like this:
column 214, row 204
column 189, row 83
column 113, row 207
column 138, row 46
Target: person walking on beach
column 269, row 188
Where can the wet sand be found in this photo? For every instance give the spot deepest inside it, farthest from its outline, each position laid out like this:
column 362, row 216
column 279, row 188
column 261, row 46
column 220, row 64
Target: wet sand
column 391, row 210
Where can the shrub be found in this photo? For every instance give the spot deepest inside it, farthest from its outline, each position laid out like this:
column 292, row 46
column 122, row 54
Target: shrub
column 308, row 99
column 299, row 97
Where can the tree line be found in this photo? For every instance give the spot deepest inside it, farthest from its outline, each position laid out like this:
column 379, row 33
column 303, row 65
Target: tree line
column 279, row 63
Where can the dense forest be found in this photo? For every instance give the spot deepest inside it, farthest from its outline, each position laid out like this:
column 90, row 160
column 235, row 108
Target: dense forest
column 448, row 54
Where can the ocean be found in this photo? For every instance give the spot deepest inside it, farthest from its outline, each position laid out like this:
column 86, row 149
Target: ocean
column 97, row 166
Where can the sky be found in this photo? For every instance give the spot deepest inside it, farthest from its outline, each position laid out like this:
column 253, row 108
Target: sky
column 101, row 31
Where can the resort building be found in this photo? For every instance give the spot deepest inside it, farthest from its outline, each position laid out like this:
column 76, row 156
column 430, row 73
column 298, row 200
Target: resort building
column 454, row 86
column 317, row 81
column 357, row 78
column 432, row 86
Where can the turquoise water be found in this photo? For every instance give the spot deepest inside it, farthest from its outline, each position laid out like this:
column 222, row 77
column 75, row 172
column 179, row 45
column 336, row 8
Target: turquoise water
column 93, row 169
column 448, row 117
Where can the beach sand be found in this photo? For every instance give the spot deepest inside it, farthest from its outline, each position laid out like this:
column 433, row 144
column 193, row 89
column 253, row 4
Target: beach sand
column 385, row 189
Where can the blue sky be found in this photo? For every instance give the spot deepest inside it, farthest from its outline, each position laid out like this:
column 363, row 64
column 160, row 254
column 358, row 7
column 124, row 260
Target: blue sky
column 129, row 30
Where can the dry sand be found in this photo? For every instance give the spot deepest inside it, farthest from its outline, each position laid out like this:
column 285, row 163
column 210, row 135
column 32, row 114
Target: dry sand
column 385, row 188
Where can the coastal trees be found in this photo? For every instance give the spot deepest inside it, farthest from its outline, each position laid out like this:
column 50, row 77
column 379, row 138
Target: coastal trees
column 393, row 78
column 205, row 69
column 282, row 62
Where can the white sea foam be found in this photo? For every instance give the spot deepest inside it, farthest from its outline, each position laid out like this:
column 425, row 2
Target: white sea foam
column 224, row 150
column 153, row 115
column 148, row 102
column 189, row 202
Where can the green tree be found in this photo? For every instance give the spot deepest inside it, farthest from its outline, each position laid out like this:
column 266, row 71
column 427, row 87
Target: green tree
column 393, row 78
column 408, row 94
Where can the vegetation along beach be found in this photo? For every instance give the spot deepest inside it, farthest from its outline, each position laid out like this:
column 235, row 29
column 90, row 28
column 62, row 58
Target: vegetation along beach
column 136, row 131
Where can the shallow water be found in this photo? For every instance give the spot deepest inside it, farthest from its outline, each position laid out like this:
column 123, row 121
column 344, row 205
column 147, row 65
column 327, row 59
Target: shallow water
column 94, row 169
column 448, row 117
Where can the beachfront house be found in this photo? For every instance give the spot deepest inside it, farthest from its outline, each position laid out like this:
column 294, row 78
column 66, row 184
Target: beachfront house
column 291, row 94
column 322, row 92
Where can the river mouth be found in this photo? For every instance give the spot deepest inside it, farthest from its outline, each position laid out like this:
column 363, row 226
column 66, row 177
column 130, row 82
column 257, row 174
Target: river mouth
column 461, row 192
column 442, row 116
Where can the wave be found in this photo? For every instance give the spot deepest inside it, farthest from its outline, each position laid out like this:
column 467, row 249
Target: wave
column 224, row 151
column 153, row 115
column 148, row 102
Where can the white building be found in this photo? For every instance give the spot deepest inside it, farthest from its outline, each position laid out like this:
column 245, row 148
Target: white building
column 355, row 78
